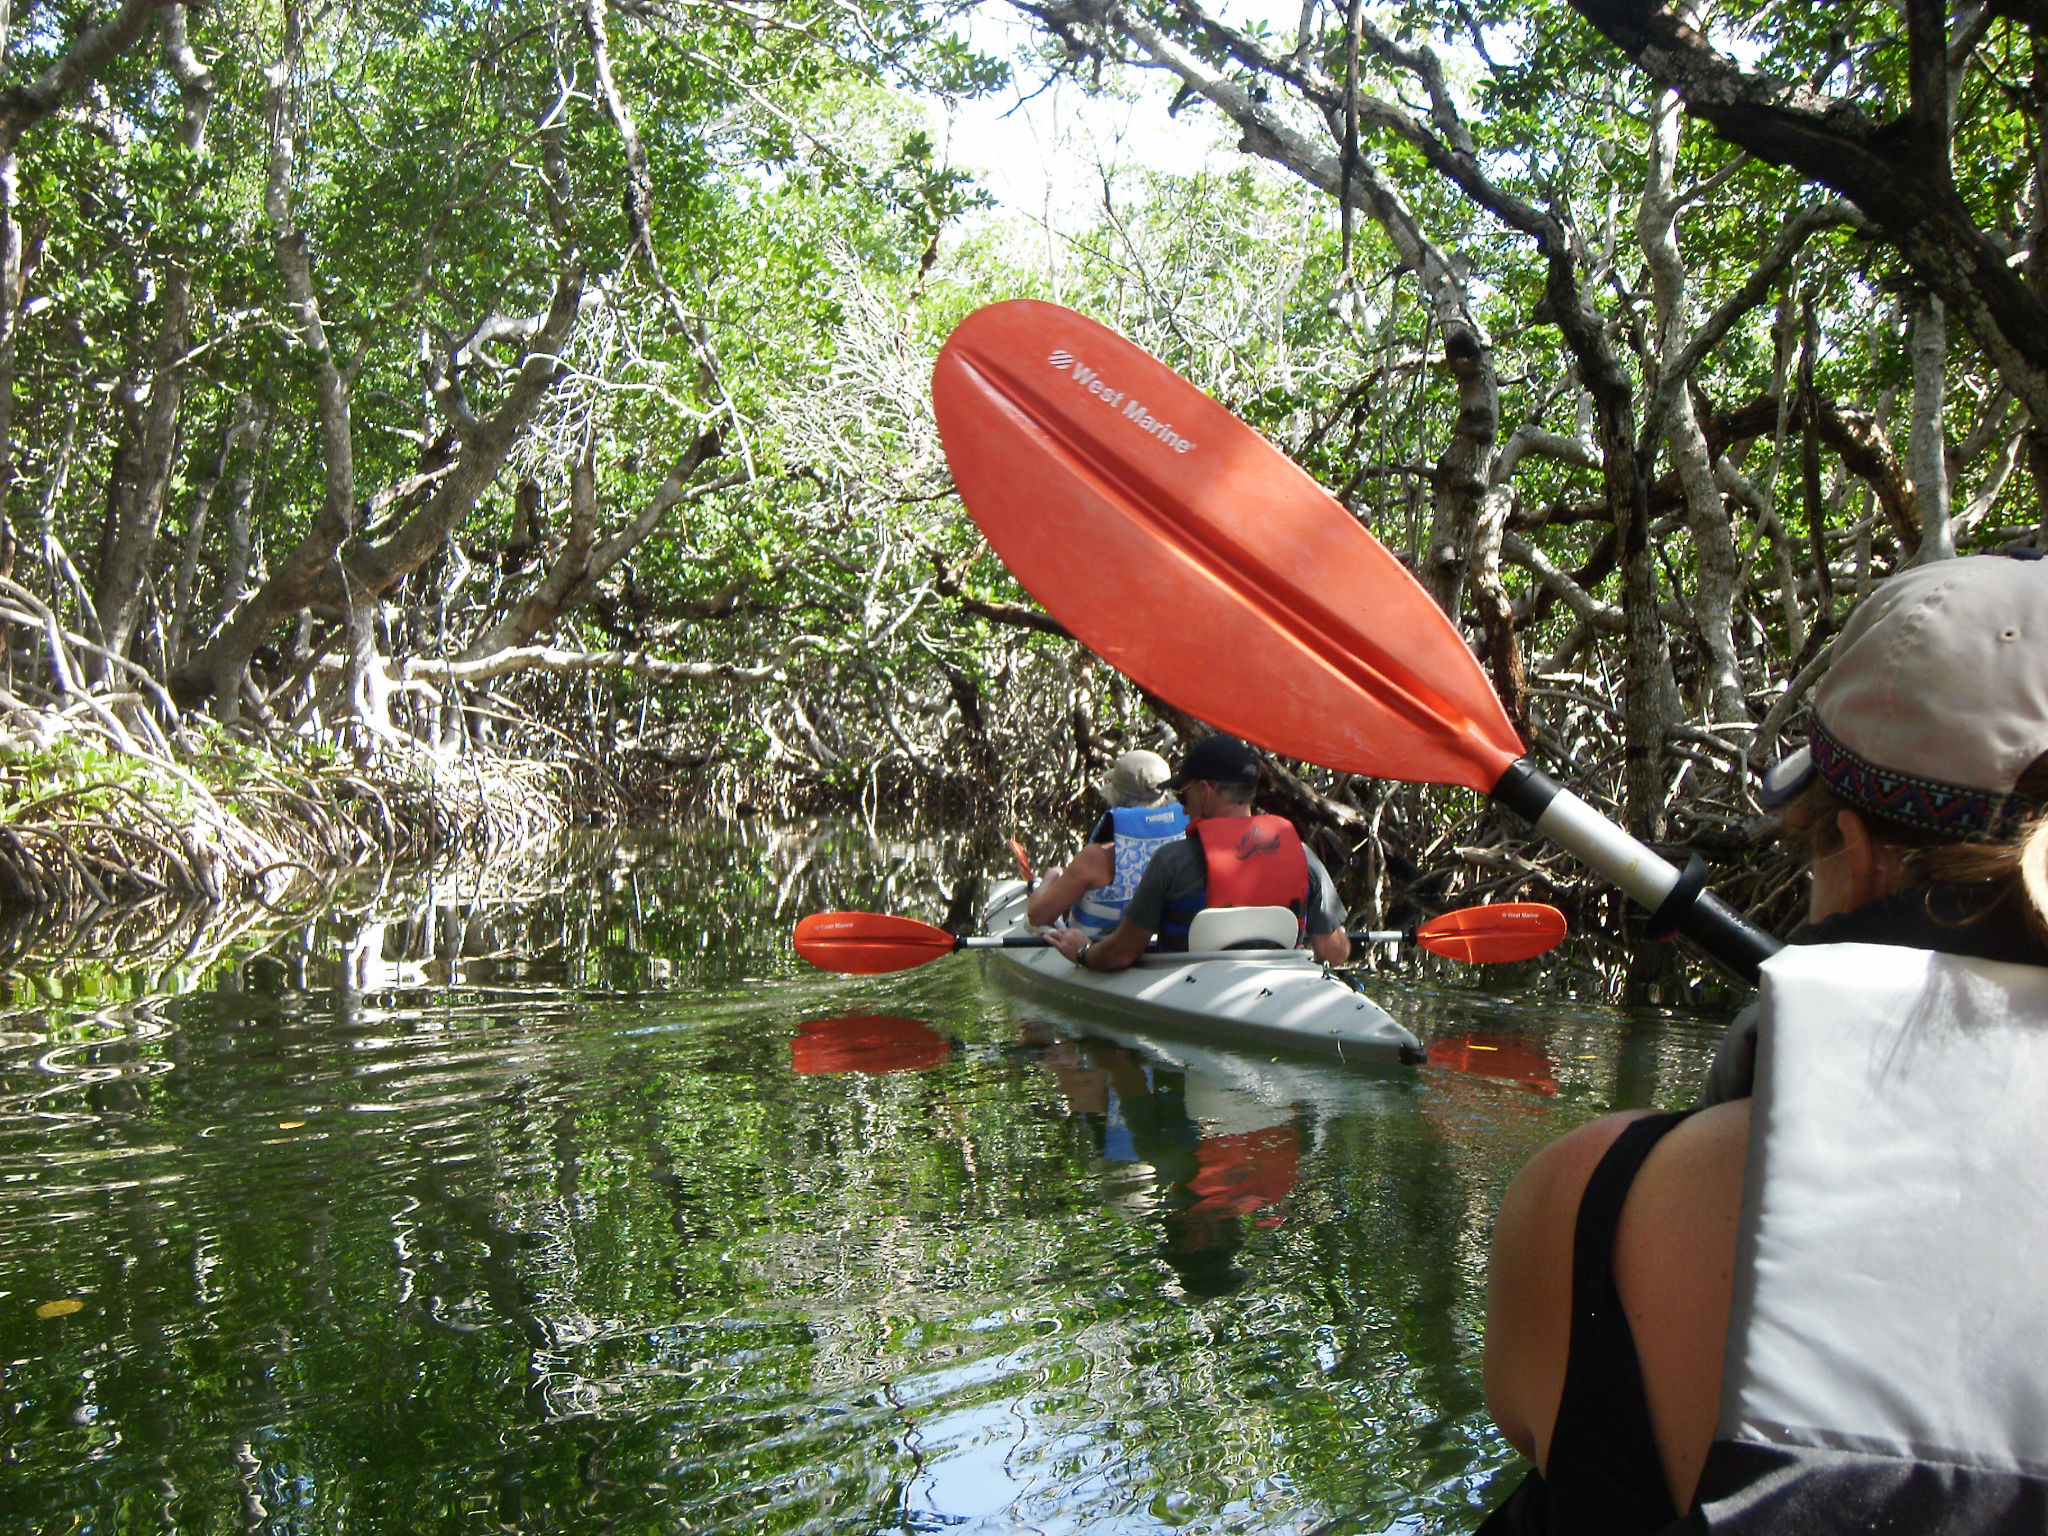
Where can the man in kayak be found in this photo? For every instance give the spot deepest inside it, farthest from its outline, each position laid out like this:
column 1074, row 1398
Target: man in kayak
column 1816, row 1305
column 1229, row 858
column 1091, row 892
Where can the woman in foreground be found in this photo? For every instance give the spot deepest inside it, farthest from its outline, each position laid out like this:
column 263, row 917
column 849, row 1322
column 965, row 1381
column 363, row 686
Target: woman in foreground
column 1820, row 1304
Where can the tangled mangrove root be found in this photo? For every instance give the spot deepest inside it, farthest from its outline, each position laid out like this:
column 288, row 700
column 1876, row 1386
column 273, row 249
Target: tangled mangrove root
column 93, row 817
column 363, row 928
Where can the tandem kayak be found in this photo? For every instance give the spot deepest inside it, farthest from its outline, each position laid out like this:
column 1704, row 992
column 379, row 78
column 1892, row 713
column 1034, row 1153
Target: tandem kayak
column 1268, row 998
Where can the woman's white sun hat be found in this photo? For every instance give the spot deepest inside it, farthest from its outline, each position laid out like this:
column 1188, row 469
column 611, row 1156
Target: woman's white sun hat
column 1135, row 779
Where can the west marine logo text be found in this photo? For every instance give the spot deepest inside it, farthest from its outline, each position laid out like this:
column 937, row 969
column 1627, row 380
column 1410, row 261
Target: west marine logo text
column 1254, row 843
column 1116, row 399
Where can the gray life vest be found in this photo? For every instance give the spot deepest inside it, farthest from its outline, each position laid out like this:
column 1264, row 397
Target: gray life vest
column 1887, row 1364
column 1141, row 831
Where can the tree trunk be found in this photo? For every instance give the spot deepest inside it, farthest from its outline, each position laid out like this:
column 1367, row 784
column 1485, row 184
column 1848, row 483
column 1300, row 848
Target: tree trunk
column 13, row 282
column 365, row 687
column 204, row 489
column 240, row 562
column 571, row 579
column 131, row 543
column 23, row 108
column 218, row 668
column 1809, row 472
column 1927, row 447
column 1718, row 581
column 135, row 499
column 2036, row 271
column 1501, row 648
column 1649, row 696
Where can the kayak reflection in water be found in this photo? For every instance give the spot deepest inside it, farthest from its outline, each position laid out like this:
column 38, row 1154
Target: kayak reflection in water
column 1217, row 1154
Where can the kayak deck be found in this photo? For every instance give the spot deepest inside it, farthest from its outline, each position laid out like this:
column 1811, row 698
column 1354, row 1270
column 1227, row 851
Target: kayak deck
column 1280, row 998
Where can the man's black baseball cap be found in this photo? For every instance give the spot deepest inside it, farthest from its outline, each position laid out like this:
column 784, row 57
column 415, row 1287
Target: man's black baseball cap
column 1217, row 760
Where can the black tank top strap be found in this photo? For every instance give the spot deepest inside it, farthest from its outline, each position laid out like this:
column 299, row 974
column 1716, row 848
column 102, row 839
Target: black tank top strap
column 1604, row 1475
column 1603, row 1472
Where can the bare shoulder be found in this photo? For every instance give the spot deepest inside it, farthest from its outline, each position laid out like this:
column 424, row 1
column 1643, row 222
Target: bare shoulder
column 1674, row 1264
column 1529, row 1283
column 1716, row 1135
column 1683, row 1204
column 1091, row 867
column 1675, row 1243
column 1565, row 1164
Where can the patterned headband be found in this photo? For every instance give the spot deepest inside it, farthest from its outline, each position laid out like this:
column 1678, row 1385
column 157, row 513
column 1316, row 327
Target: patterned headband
column 1949, row 810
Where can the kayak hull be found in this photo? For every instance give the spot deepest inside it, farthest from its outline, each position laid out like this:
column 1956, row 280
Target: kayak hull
column 1279, row 999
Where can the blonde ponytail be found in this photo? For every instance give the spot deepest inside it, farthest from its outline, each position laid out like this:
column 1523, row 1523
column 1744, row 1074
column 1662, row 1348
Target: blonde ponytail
column 2034, row 871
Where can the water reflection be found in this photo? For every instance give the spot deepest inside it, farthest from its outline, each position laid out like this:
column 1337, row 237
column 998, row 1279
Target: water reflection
column 865, row 1042
column 1176, row 1144
column 567, row 1198
column 1483, row 1053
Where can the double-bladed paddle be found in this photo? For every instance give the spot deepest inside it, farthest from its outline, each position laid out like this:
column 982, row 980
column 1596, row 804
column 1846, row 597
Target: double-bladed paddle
column 870, row 943
column 1194, row 557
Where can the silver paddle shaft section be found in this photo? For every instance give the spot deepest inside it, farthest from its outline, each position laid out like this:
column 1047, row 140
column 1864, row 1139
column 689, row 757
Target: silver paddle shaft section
column 1599, row 844
column 1677, row 899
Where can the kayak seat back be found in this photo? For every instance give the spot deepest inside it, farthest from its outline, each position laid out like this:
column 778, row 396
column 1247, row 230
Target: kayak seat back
column 1217, row 928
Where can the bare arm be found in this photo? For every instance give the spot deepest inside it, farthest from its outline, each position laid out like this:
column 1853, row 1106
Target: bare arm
column 1334, row 946
column 1117, row 951
column 1673, row 1261
column 1674, row 1264
column 1090, row 870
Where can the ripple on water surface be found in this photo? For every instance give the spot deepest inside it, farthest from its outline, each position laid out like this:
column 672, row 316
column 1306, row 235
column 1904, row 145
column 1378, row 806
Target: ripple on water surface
column 541, row 1234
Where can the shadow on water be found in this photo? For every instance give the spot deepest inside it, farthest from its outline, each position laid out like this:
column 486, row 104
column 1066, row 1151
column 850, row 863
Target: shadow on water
column 564, row 1198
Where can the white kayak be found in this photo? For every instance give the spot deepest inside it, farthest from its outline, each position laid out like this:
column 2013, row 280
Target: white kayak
column 1284, row 998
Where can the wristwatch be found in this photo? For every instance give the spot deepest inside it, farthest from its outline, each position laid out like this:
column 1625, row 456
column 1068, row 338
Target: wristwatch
column 1081, row 954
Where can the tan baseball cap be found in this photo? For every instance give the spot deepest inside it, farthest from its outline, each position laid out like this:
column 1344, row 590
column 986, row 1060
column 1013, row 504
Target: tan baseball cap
column 1936, row 701
column 1136, row 778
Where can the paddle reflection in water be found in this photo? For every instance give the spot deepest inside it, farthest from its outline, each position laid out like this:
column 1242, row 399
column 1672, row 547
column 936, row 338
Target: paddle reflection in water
column 1511, row 1057
column 868, row 1042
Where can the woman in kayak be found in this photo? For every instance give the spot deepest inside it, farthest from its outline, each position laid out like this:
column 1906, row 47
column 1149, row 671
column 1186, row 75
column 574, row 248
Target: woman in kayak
column 1142, row 818
column 1817, row 1306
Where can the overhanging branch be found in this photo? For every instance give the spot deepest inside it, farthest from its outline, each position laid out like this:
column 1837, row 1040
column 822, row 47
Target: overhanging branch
column 544, row 658
column 1892, row 172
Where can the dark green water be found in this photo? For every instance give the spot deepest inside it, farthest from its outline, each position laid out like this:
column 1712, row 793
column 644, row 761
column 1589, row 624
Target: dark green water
column 569, row 1200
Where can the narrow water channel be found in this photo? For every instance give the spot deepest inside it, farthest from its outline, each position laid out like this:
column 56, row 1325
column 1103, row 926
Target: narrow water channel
column 568, row 1199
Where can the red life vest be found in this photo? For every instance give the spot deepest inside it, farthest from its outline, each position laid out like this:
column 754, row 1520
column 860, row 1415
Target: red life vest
column 1254, row 861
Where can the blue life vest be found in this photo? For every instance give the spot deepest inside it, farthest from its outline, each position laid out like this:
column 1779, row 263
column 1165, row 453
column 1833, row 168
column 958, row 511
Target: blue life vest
column 1141, row 831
